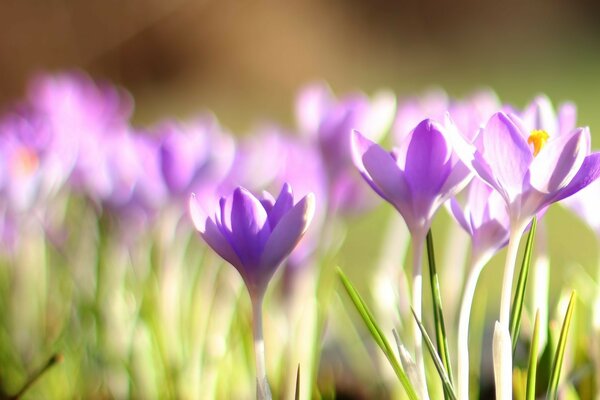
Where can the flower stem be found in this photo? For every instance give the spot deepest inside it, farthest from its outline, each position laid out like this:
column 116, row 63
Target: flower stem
column 263, row 392
column 417, row 297
column 477, row 264
column 502, row 341
column 509, row 271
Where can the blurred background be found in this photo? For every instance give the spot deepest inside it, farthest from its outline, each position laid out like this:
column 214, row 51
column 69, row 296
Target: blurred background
column 244, row 59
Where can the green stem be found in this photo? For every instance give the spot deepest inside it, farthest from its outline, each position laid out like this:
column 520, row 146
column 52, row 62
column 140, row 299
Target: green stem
column 440, row 327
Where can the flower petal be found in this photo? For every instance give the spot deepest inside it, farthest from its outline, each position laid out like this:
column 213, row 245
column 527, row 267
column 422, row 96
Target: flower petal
column 286, row 235
column 427, row 160
column 311, row 106
column 588, row 173
column 567, row 118
column 559, row 160
column 379, row 169
column 213, row 236
column 504, row 149
column 248, row 218
column 284, row 202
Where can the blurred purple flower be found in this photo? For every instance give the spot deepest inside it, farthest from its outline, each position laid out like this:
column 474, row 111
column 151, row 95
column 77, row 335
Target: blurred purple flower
column 540, row 115
column 81, row 115
column 483, row 215
column 255, row 235
column 417, row 177
column 468, row 114
column 530, row 170
column 194, row 155
column 328, row 123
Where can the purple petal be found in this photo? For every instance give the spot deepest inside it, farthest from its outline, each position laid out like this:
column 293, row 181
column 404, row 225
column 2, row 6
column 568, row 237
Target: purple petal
column 540, row 115
column 506, row 152
column 567, row 118
column 588, row 173
column 460, row 215
column 284, row 202
column 248, row 218
column 287, row 234
column 379, row 169
column 267, row 201
column 427, row 160
column 559, row 160
column 212, row 235
column 311, row 105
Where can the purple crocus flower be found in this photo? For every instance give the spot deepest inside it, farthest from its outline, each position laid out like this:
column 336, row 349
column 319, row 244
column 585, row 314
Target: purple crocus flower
column 194, row 155
column 255, row 235
column 328, row 123
column 416, row 178
column 530, row 170
column 468, row 114
column 271, row 157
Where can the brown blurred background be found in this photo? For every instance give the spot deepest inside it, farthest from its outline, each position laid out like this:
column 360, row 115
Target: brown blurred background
column 245, row 59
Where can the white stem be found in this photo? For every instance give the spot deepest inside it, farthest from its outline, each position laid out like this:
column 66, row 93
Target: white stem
column 417, row 296
column 502, row 340
column 477, row 264
column 263, row 392
column 509, row 271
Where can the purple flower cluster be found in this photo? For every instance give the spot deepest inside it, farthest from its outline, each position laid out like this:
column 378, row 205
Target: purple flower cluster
column 494, row 166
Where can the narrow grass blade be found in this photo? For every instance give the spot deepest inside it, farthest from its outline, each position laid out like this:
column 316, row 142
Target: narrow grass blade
column 533, row 355
column 560, row 350
column 440, row 327
column 517, row 305
column 377, row 334
column 448, row 388
column 297, row 391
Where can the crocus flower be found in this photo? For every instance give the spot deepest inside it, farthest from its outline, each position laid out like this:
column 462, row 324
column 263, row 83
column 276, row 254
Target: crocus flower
column 416, row 178
column 468, row 114
column 530, row 170
column 485, row 218
column 328, row 122
column 271, row 157
column 194, row 155
column 255, row 235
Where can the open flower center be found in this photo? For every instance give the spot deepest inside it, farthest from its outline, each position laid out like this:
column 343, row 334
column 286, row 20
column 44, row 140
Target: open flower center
column 537, row 139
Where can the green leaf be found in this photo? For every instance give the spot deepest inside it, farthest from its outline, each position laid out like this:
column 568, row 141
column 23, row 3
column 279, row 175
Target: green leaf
column 377, row 334
column 560, row 350
column 517, row 306
column 448, row 388
column 440, row 327
column 533, row 355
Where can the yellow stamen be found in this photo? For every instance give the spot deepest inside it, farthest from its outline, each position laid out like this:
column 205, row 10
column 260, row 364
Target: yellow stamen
column 538, row 139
